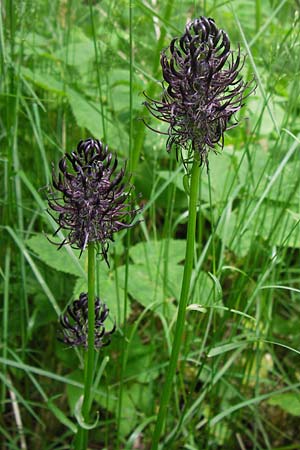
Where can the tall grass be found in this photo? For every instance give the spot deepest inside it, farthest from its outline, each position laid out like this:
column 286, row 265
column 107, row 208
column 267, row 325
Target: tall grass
column 74, row 69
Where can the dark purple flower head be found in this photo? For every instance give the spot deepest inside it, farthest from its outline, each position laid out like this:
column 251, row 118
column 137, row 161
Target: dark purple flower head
column 75, row 324
column 94, row 201
column 204, row 88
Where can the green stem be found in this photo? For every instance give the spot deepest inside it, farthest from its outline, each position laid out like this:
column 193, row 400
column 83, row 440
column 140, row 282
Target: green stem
column 185, row 288
column 90, row 356
column 81, row 441
column 257, row 14
column 124, row 344
column 98, row 65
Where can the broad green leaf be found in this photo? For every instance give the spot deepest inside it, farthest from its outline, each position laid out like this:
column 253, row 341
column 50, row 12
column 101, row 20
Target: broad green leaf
column 77, row 53
column 86, row 113
column 288, row 401
column 20, row 243
column 223, row 177
column 129, row 414
column 142, row 397
column 147, row 287
column 155, row 252
column 156, row 276
column 288, row 328
column 35, row 44
column 44, row 80
column 276, row 225
column 56, row 259
column 117, row 134
column 44, row 313
column 34, row 39
column 66, row 355
column 257, row 104
column 119, row 84
column 139, row 366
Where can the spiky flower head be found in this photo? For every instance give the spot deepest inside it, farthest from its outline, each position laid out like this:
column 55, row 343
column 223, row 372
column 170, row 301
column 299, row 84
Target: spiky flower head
column 204, row 88
column 94, row 197
column 74, row 323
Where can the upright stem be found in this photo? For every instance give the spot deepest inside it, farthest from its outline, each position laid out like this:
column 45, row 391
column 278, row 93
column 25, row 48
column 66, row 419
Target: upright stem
column 81, row 441
column 90, row 356
column 128, row 236
column 185, row 288
column 257, row 14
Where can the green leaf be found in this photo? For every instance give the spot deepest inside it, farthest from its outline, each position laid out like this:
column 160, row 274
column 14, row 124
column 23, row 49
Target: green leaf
column 77, row 53
column 219, row 350
column 44, row 80
column 35, row 44
column 203, row 291
column 80, row 418
column 142, row 397
column 62, row 418
column 140, row 366
column 129, row 411
column 147, row 287
column 120, row 88
column 261, row 169
column 154, row 252
column 74, row 392
column 156, row 276
column 86, row 113
column 288, row 401
column 202, row 309
column 44, row 312
column 223, row 177
column 276, row 225
column 59, row 260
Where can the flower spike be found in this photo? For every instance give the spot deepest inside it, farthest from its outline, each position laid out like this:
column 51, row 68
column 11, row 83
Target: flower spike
column 203, row 88
column 74, row 323
column 95, row 198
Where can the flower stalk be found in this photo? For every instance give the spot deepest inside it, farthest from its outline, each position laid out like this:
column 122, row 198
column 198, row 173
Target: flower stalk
column 90, row 356
column 203, row 89
column 81, row 442
column 184, row 296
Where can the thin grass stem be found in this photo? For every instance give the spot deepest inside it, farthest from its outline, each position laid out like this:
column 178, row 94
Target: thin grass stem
column 257, row 14
column 98, row 65
column 124, row 344
column 5, row 318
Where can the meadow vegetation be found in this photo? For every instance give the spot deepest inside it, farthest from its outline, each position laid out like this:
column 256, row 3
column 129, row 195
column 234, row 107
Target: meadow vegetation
column 75, row 69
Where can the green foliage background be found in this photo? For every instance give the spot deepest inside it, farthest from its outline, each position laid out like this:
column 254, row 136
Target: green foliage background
column 74, row 69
